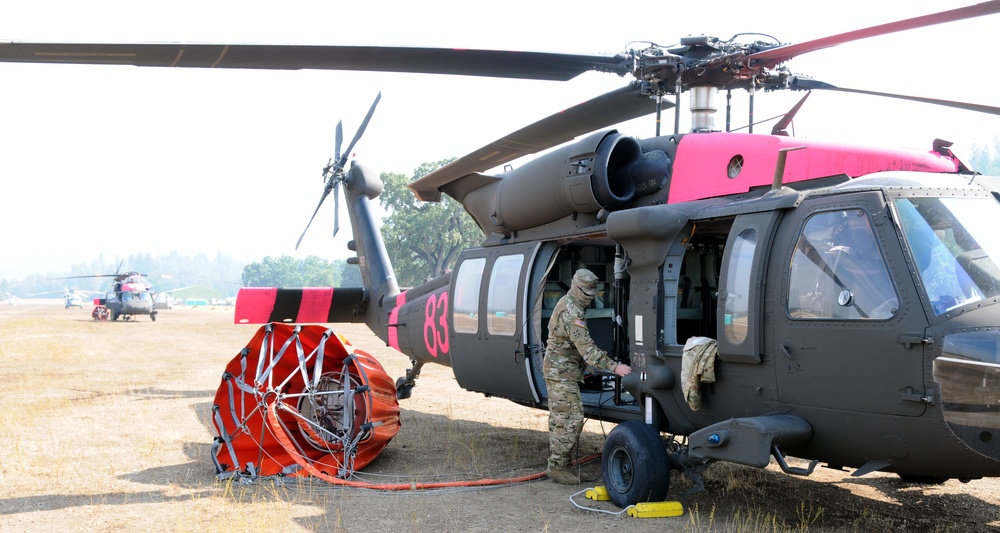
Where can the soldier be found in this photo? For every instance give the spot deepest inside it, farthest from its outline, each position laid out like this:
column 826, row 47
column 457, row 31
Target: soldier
column 568, row 352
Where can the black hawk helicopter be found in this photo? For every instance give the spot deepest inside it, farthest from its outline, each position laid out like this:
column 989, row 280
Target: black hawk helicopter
column 849, row 291
column 72, row 297
column 129, row 296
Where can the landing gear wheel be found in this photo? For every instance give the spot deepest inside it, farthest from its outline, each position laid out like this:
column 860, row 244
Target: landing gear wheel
column 634, row 464
column 153, row 316
column 403, row 389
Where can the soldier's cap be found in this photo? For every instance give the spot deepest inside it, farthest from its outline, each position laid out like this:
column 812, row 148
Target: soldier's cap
column 586, row 281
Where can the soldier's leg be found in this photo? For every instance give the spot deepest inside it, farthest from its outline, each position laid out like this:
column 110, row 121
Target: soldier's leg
column 565, row 421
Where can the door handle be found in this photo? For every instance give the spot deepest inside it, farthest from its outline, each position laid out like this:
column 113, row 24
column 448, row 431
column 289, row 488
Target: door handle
column 787, row 350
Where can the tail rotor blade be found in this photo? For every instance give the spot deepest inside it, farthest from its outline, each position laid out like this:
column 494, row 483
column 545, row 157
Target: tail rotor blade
column 336, row 208
column 326, row 192
column 361, row 130
column 340, row 140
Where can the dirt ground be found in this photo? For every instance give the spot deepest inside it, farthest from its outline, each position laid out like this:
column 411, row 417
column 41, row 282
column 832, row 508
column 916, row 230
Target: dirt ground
column 106, row 426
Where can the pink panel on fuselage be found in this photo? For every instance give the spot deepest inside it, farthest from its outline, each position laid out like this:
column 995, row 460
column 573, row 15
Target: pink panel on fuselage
column 393, row 320
column 702, row 161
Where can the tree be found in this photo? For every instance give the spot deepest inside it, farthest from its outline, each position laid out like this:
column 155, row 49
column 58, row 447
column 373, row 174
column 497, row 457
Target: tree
column 423, row 238
column 984, row 160
column 350, row 275
column 283, row 271
column 287, row 271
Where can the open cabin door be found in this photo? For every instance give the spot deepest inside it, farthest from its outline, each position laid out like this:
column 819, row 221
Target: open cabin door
column 489, row 321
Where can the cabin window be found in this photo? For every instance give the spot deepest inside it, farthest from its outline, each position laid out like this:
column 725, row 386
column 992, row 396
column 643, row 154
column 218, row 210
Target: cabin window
column 465, row 314
column 737, row 304
column 838, row 271
column 501, row 303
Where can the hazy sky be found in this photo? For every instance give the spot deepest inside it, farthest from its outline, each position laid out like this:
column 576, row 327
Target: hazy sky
column 122, row 160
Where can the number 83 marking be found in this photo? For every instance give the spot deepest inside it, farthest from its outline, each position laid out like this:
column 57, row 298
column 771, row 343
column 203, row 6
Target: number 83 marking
column 436, row 324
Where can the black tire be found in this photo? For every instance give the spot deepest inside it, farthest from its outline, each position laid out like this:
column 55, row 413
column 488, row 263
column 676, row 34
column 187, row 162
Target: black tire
column 403, row 391
column 634, row 464
column 153, row 316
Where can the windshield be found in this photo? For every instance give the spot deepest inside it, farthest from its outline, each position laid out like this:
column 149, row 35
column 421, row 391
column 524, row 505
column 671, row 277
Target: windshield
column 955, row 246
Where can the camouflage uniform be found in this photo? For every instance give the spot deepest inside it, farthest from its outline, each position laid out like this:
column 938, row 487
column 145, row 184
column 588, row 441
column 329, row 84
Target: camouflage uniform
column 568, row 352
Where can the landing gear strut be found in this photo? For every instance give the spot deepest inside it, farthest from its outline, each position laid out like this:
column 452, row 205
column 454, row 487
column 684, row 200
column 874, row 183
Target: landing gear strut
column 404, row 385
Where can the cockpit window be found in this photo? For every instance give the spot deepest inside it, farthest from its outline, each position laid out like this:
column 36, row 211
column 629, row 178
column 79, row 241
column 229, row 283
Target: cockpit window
column 954, row 245
column 838, row 271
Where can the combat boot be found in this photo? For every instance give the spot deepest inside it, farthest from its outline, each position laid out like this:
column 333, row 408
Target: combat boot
column 562, row 475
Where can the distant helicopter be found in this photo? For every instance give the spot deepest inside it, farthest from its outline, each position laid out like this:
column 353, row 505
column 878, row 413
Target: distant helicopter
column 72, row 297
column 130, row 295
column 850, row 292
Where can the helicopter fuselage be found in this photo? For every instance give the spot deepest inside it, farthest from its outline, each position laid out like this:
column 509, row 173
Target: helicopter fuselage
column 853, row 316
column 126, row 300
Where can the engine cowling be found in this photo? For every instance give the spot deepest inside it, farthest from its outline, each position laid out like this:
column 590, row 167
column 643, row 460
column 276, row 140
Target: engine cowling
column 606, row 170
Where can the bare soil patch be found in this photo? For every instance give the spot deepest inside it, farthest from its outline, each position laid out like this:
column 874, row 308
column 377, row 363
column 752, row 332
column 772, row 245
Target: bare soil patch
column 105, row 426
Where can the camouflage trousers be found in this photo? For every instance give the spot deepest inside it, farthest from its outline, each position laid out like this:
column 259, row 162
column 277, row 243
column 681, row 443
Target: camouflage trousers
column 565, row 420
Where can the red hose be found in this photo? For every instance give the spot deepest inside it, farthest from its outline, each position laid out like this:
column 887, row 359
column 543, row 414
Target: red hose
column 286, row 443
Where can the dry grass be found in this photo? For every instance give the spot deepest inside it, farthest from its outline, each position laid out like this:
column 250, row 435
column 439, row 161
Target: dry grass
column 105, row 426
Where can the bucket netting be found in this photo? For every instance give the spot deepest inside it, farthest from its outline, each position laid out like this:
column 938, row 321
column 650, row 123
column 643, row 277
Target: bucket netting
column 300, row 400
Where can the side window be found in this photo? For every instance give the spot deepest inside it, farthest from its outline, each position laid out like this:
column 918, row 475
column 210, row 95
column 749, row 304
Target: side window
column 501, row 303
column 838, row 272
column 737, row 304
column 465, row 311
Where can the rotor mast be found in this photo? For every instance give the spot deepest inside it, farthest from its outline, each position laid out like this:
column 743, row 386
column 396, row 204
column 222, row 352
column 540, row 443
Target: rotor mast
column 703, row 107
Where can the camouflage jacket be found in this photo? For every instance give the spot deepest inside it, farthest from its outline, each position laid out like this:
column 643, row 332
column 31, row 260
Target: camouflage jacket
column 570, row 349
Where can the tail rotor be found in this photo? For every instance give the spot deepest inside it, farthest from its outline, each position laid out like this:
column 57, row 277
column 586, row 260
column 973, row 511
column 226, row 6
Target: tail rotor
column 334, row 172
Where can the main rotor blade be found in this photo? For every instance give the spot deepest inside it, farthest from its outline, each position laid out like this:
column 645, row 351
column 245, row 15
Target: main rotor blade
column 802, row 83
column 777, row 55
column 361, row 130
column 90, row 276
column 489, row 63
column 610, row 108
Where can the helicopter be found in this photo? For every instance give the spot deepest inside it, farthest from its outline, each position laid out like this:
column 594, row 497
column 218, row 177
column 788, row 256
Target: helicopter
column 76, row 297
column 129, row 296
column 848, row 290
column 72, row 297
